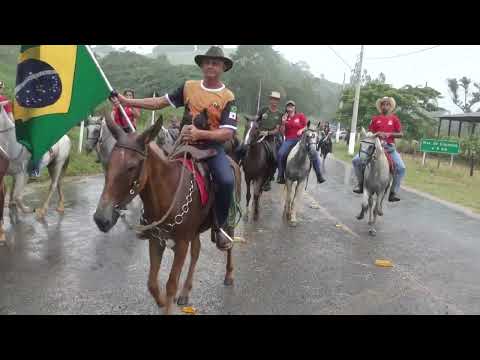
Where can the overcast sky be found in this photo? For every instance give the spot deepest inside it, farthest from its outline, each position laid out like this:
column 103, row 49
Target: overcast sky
column 432, row 66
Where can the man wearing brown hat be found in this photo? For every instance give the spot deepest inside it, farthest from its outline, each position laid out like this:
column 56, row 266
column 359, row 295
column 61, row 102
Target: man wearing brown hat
column 210, row 119
column 387, row 127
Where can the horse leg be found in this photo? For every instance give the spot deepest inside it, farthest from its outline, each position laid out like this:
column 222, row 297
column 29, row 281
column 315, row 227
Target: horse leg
column 181, row 249
column 61, row 196
column 187, row 286
column 364, row 204
column 370, row 208
column 286, row 209
column 248, row 196
column 54, row 176
column 156, row 254
column 298, row 194
column 2, row 203
column 17, row 192
column 257, row 191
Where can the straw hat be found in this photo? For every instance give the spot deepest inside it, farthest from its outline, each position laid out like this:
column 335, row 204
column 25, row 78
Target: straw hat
column 391, row 100
column 215, row 52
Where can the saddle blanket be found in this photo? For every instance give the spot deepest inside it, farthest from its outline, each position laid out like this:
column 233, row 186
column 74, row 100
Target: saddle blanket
column 199, row 179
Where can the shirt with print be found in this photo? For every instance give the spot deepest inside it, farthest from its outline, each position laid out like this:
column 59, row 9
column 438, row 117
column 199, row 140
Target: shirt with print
column 8, row 107
column 269, row 120
column 386, row 123
column 293, row 124
column 207, row 109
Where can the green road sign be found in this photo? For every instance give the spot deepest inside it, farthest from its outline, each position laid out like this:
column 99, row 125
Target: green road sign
column 440, row 146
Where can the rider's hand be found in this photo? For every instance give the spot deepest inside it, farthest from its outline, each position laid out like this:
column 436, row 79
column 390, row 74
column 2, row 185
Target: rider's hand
column 284, row 118
column 191, row 134
column 300, row 132
column 263, row 133
column 117, row 98
column 381, row 135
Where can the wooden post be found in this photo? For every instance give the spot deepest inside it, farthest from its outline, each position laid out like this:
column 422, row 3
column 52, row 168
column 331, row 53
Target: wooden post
column 460, row 129
column 438, row 137
column 423, row 159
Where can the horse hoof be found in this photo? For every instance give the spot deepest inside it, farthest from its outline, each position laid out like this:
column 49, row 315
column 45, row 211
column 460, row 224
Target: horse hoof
column 380, row 213
column 359, row 217
column 293, row 223
column 182, row 301
column 372, row 232
column 40, row 214
column 228, row 282
column 61, row 210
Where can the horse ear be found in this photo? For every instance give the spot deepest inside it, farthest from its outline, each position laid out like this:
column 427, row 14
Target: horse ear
column 151, row 133
column 116, row 130
column 364, row 133
column 308, row 124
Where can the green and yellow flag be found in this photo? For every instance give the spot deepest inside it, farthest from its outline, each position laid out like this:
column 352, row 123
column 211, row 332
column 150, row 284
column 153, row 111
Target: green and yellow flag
column 57, row 87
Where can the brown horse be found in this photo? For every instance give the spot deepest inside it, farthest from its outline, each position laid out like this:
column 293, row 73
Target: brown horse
column 139, row 166
column 256, row 165
column 4, row 163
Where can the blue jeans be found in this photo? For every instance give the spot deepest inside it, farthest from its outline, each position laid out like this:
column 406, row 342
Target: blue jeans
column 222, row 175
column 282, row 155
column 400, row 168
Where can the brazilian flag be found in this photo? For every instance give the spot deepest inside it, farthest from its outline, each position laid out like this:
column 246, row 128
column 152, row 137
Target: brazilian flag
column 57, row 87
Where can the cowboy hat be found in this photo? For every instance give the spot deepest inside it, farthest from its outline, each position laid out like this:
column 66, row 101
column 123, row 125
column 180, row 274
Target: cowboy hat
column 215, row 52
column 275, row 95
column 290, row 102
column 2, row 84
column 391, row 100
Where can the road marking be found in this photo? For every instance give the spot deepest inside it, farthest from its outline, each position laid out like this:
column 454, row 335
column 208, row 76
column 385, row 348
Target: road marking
column 329, row 216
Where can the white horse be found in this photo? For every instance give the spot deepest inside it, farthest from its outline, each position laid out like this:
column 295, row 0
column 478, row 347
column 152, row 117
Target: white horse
column 377, row 178
column 56, row 159
column 297, row 170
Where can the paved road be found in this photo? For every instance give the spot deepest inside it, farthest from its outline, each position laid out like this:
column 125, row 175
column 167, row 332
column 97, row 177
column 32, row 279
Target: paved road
column 323, row 266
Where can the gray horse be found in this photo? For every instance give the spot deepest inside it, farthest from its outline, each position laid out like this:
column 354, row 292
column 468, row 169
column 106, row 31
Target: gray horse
column 100, row 138
column 297, row 171
column 377, row 178
column 56, row 160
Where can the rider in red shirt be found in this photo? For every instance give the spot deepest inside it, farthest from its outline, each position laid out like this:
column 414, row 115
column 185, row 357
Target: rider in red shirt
column 386, row 126
column 293, row 126
column 132, row 113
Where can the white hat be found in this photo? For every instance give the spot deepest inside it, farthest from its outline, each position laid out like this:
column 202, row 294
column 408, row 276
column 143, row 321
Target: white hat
column 391, row 100
column 275, row 95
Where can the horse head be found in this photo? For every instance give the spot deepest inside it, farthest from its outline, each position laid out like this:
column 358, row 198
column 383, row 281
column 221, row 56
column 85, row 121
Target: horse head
column 93, row 130
column 125, row 176
column 309, row 138
column 370, row 146
column 252, row 130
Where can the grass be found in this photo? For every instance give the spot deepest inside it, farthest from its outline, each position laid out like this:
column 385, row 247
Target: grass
column 452, row 184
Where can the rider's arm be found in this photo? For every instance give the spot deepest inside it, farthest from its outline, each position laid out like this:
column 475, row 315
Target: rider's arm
column 174, row 99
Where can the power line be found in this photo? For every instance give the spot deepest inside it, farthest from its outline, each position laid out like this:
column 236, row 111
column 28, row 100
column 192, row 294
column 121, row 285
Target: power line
column 339, row 57
column 406, row 54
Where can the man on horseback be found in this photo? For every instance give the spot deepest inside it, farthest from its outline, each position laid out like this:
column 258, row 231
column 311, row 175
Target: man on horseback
column 387, row 127
column 269, row 121
column 210, row 119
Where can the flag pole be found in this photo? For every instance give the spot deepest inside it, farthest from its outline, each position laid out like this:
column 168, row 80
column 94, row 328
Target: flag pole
column 153, row 111
column 122, row 110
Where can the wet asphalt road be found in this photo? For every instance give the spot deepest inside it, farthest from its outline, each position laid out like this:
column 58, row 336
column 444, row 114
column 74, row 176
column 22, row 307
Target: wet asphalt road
column 323, row 266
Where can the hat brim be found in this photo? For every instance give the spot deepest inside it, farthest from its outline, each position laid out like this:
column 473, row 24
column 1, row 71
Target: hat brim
column 228, row 62
column 290, row 103
column 392, row 101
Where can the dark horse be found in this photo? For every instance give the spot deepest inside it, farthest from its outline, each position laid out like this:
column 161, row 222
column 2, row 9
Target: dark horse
column 324, row 145
column 256, row 164
column 4, row 163
column 139, row 166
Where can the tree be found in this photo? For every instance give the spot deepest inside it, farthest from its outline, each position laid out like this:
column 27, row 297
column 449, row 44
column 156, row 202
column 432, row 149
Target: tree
column 470, row 97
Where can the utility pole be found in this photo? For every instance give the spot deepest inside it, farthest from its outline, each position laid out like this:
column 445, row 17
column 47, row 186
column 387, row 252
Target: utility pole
column 340, row 105
column 351, row 145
